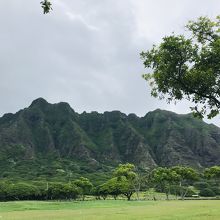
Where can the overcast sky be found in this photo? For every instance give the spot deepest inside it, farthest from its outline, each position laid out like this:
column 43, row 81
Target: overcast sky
column 86, row 52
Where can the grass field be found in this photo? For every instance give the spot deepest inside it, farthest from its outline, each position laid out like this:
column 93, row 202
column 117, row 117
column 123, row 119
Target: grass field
column 111, row 210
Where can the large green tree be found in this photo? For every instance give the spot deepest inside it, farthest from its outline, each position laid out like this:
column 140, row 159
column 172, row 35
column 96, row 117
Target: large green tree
column 125, row 179
column 163, row 178
column 186, row 176
column 188, row 67
column 84, row 185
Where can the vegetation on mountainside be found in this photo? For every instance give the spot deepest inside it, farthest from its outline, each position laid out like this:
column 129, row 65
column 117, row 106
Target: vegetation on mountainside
column 51, row 142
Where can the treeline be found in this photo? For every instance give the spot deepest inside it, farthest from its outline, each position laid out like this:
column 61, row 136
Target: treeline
column 125, row 180
column 45, row 191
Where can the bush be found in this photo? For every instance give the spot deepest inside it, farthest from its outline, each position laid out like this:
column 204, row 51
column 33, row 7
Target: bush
column 62, row 191
column 216, row 190
column 23, row 191
column 207, row 192
column 201, row 185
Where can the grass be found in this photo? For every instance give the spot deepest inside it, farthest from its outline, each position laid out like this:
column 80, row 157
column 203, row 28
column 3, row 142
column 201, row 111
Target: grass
column 111, row 210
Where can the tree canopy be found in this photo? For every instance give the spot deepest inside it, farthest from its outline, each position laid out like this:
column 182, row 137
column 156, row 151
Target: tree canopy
column 84, row 185
column 125, row 179
column 212, row 172
column 188, row 67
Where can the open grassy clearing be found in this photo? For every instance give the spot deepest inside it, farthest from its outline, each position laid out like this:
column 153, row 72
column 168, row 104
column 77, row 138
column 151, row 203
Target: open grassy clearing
column 111, row 210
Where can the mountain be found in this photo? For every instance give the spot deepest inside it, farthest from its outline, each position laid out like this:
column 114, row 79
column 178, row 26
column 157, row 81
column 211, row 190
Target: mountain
column 52, row 141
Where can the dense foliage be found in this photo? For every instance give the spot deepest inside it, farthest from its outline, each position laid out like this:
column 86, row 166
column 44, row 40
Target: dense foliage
column 124, row 181
column 188, row 67
column 37, row 191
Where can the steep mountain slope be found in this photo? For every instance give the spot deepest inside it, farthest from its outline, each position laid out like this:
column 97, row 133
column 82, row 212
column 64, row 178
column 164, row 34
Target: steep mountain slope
column 52, row 141
column 180, row 139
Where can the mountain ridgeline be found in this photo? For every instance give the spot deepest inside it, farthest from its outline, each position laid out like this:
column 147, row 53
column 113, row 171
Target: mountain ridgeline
column 52, row 140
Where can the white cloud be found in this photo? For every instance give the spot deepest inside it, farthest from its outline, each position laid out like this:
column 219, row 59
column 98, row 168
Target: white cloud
column 79, row 18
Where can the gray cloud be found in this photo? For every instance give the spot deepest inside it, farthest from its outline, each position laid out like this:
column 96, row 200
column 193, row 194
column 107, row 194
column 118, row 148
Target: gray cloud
column 86, row 52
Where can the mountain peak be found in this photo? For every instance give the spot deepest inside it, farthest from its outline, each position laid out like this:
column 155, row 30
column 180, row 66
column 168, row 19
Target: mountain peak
column 39, row 102
column 54, row 136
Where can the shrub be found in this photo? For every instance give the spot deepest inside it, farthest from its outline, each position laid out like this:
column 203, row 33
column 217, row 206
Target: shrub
column 207, row 192
column 201, row 185
column 216, row 190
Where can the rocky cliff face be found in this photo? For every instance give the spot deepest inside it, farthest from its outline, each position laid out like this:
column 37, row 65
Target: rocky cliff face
column 54, row 136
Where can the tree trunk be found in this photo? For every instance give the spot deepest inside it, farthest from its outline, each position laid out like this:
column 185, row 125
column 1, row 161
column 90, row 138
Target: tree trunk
column 137, row 193
column 128, row 195
column 184, row 194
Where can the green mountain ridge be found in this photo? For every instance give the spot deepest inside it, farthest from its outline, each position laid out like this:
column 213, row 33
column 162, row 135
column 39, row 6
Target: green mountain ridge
column 53, row 141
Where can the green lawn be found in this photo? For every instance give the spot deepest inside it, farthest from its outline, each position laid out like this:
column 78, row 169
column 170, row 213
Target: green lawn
column 111, row 210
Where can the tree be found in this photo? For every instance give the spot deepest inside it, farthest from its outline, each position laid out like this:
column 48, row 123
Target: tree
column 85, row 186
column 163, row 178
column 188, row 67
column 126, row 176
column 207, row 193
column 101, row 191
column 21, row 191
column 126, row 170
column 186, row 175
column 213, row 173
column 46, row 5
column 111, row 187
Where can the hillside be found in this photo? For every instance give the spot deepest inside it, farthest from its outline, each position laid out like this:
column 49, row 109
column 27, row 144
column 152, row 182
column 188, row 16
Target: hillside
column 52, row 141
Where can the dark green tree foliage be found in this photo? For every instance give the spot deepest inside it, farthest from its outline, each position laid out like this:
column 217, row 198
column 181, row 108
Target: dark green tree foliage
column 62, row 191
column 188, row 67
column 27, row 191
column 207, row 192
column 201, row 185
column 216, row 190
column 212, row 172
column 100, row 192
column 22, row 191
column 209, row 182
column 18, row 191
column 47, row 6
